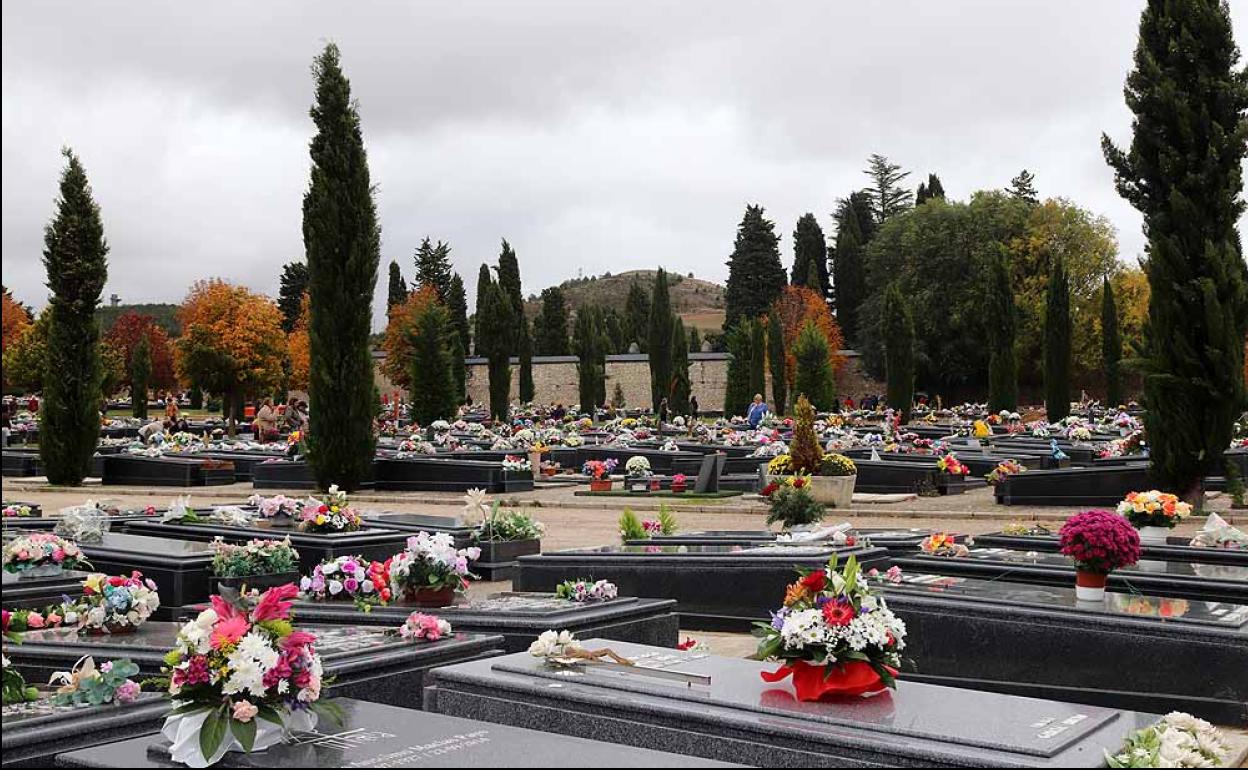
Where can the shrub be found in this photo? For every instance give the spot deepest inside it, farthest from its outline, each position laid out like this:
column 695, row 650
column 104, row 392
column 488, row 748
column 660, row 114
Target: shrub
column 793, row 505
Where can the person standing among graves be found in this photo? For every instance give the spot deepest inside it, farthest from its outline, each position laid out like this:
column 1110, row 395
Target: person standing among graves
column 662, row 414
column 266, row 421
column 693, row 411
column 758, row 410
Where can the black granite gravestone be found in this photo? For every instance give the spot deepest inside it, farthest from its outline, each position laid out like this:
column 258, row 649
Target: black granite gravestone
column 34, row 733
column 1175, row 549
column 179, row 567
column 22, row 592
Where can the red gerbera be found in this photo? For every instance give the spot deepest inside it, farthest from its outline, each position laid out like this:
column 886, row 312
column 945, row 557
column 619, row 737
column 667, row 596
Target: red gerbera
column 838, row 613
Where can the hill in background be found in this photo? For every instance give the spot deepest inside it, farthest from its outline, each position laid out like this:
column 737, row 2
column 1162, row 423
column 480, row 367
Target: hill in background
column 698, row 303
column 163, row 313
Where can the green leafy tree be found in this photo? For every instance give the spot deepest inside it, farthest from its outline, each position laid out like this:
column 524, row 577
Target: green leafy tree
column 433, row 394
column 550, row 327
column 591, row 368
column 495, row 328
column 433, row 268
column 1002, row 365
column 343, row 243
column 25, row 359
column 1023, row 187
column 810, row 253
column 815, row 378
column 1184, row 173
column 1057, row 344
column 1111, row 346
column 140, row 377
column 397, row 293
column 899, row 351
column 679, row 401
column 293, row 285
column 888, row 197
column 636, row 317
column 755, row 275
column 75, row 256
column 659, row 341
column 776, row 358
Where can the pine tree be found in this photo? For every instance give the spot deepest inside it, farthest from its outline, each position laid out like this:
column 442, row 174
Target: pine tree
column 1111, row 346
column 588, row 341
column 755, row 275
column 397, row 293
column 695, row 340
column 527, row 389
column 815, row 378
column 432, row 377
column 1057, row 343
column 898, row 351
column 140, row 377
column 850, row 273
column 75, row 256
column 494, row 324
column 1001, row 318
column 737, row 393
column 1023, row 187
column 294, row 284
column 550, row 327
column 776, row 355
column 457, row 306
column 1184, row 173
column 810, row 253
column 636, row 317
column 679, row 401
column 659, row 341
column 342, row 241
column 888, row 198
column 484, row 279
column 433, row 268
column 758, row 358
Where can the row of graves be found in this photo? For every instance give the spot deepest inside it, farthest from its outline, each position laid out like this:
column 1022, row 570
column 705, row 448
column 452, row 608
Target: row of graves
column 309, row 633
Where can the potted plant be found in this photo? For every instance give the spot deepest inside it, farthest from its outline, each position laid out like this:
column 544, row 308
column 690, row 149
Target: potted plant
column 116, row 604
column 260, row 564
column 279, row 511
column 431, row 571
column 367, row 583
column 678, row 483
column 504, row 536
column 599, row 472
column 1154, row 514
column 833, row 636
column 42, row 554
column 634, row 528
column 1099, row 542
column 830, row 477
column 333, row 514
column 792, row 504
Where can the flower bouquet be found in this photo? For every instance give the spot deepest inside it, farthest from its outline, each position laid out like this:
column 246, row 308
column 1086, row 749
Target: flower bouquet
column 1004, row 470
column 1099, row 542
column 780, row 465
column 349, row 577
column 599, row 472
column 420, row 627
column 1218, row 534
column 637, row 467
column 1178, row 740
column 952, row 465
column 259, row 563
column 431, row 570
column 791, row 503
column 86, row 685
column 1154, row 514
column 586, row 592
column 42, row 554
column 333, row 514
column 833, row 635
column 17, row 510
column 240, row 676
column 942, row 544
column 115, row 604
column 278, row 511
column 517, row 464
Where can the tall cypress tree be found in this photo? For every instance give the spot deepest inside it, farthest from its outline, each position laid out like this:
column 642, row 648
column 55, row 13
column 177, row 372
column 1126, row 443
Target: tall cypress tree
column 75, row 257
column 433, row 267
column 1001, row 318
column 810, row 252
column 1111, row 346
column 140, row 377
column 457, row 306
column 934, row 187
column 509, row 281
column 494, row 323
column 1184, row 173
column 898, row 351
column 659, row 341
column 695, row 340
column 850, row 276
column 342, row 241
column 397, row 290
column 755, row 275
column 776, row 359
column 615, row 337
column 589, row 344
column 636, row 317
column 294, row 284
column 433, row 385
column 527, row 388
column 679, row 401
column 550, row 327
column 758, row 358
column 737, row 393
column 1057, row 348
column 815, row 378
column 484, row 279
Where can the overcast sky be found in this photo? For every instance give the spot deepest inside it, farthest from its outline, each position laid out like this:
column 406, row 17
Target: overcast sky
column 594, row 136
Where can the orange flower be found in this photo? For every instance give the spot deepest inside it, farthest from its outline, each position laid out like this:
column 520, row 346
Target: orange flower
column 794, row 594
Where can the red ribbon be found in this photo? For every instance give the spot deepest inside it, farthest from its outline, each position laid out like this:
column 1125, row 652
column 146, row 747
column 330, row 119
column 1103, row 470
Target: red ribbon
column 814, row 683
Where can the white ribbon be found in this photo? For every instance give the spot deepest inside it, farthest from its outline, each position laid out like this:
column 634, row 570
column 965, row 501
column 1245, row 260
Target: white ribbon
column 182, row 730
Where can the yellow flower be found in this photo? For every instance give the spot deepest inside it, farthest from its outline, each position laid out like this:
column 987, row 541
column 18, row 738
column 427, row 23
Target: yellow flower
column 320, row 518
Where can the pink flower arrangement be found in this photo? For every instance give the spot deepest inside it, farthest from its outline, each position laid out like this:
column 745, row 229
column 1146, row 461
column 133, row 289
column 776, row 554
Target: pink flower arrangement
column 1099, row 541
column 419, row 627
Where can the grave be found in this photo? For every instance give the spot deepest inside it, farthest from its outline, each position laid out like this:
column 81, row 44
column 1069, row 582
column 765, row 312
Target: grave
column 739, row 717
column 1175, row 549
column 374, row 735
column 179, row 567
column 411, row 523
column 169, row 471
column 371, row 664
column 282, row 474
column 1074, row 487
column 421, row 474
column 34, row 733
column 902, row 540
column 23, row 592
column 521, row 617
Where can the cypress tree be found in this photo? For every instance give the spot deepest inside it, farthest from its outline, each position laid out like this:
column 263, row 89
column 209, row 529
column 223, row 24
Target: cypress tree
column 934, row 187
column 636, row 317
column 695, row 340
column 679, row 401
column 459, row 370
column 810, row 255
column 342, row 241
column 758, row 358
column 397, row 293
column 1001, row 317
column 849, row 271
column 294, row 283
column 140, row 377
column 550, row 327
column 75, row 256
column 591, row 359
column 659, row 341
column 776, row 359
column 527, row 389
column 1184, row 173
column 1111, row 346
column 815, row 378
column 737, row 393
column 432, row 377
column 433, row 267
column 509, row 282
column 615, row 338
column 755, row 275
column 483, row 280
column 898, row 351
column 494, row 323
column 457, row 306
column 1057, row 343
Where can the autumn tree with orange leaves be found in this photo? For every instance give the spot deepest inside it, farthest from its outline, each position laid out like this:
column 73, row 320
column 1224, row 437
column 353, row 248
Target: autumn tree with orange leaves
column 298, row 349
column 796, row 306
column 124, row 335
column 232, row 342
column 16, row 319
column 400, row 331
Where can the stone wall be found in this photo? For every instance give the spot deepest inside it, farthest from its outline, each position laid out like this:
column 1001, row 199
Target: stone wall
column 554, row 378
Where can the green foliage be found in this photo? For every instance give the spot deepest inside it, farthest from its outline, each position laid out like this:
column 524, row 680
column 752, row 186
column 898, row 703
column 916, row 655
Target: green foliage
column 679, row 400
column 483, row 280
column 1023, row 188
column 659, row 341
column 637, row 317
column 509, row 282
column 758, row 358
column 929, row 190
column 1111, row 346
column 25, row 360
column 457, row 306
column 776, row 360
column 433, row 268
column 810, row 253
column 591, row 368
column 342, row 241
column 667, row 520
column 805, row 454
column 98, row 689
column 1057, row 344
column 294, row 283
column 165, row 315
column 140, row 376
column 738, row 393
column 755, row 275
column 433, row 389
column 495, row 328
column 1002, row 364
column 508, row 526
column 888, row 197
column 794, row 506
column 75, row 256
column 899, row 351
column 815, row 378
column 630, row 526
column 239, row 561
column 527, row 388
column 397, row 290
column 15, row 688
column 550, row 327
column 853, row 214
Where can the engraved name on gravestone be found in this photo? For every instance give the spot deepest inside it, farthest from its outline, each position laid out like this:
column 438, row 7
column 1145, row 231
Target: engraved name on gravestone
column 532, row 604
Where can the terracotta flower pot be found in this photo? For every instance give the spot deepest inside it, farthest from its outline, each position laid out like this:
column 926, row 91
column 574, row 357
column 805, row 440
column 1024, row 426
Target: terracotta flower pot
column 600, row 485
column 678, row 488
column 429, row 597
column 1090, row 586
